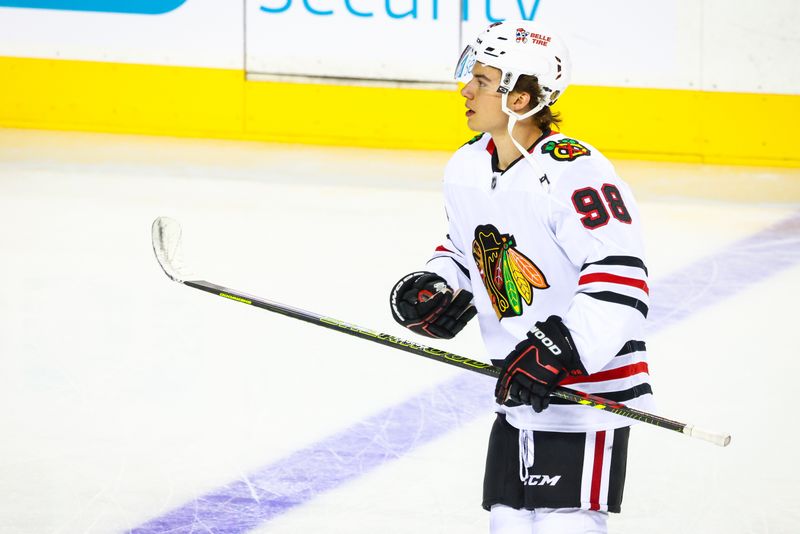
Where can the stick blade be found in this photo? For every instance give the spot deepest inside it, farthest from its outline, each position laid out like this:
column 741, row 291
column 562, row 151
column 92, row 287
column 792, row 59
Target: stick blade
column 166, row 234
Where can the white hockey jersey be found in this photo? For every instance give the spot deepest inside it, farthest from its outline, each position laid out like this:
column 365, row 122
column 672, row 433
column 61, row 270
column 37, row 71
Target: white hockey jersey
column 573, row 249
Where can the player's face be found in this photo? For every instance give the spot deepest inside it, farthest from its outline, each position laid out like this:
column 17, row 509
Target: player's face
column 484, row 113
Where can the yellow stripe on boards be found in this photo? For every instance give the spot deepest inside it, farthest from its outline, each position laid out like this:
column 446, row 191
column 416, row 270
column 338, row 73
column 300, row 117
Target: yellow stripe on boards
column 747, row 128
column 689, row 126
column 638, row 123
column 114, row 97
column 656, row 124
column 355, row 115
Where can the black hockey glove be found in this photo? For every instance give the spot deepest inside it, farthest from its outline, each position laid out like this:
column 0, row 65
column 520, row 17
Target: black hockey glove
column 425, row 304
column 537, row 364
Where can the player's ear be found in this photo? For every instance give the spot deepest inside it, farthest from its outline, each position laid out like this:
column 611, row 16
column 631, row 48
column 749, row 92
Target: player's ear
column 519, row 100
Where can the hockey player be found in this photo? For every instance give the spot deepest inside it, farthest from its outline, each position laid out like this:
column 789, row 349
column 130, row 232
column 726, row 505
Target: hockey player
column 544, row 245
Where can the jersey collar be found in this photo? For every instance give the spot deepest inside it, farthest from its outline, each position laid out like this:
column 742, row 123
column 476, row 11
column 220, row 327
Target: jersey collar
column 490, row 147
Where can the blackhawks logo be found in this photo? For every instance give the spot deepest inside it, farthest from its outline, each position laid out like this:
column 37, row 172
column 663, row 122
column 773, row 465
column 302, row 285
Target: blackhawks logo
column 509, row 276
column 565, row 149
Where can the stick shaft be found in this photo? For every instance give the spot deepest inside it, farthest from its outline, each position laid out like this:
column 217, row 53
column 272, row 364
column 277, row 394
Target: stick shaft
column 347, row 328
column 568, row 394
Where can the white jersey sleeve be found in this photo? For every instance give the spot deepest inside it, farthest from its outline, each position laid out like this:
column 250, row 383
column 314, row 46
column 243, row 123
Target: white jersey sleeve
column 450, row 260
column 596, row 222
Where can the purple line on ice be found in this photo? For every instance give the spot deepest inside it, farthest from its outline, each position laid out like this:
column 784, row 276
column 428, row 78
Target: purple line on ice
column 273, row 490
column 710, row 280
column 329, row 463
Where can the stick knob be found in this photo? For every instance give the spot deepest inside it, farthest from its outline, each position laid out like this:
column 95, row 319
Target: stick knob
column 717, row 438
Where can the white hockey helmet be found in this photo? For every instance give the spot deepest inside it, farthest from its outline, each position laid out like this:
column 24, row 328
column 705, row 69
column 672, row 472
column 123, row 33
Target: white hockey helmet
column 518, row 47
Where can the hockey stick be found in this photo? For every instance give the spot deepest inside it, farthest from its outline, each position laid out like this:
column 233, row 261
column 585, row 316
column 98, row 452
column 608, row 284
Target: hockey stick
column 166, row 235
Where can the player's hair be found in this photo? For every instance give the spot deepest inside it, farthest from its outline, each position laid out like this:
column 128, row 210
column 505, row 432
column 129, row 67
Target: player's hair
column 545, row 119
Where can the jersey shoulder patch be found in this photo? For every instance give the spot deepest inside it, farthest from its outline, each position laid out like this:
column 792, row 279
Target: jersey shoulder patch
column 474, row 140
column 565, row 149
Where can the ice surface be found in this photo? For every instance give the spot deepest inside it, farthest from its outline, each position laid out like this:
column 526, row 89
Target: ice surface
column 135, row 404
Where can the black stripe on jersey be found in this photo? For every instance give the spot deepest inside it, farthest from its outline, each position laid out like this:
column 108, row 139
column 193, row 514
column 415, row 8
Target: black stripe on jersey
column 631, row 346
column 616, row 396
column 463, row 269
column 627, row 261
column 617, row 298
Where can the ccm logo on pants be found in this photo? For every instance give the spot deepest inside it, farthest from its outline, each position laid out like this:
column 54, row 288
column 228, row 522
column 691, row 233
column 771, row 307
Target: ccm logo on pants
column 542, row 480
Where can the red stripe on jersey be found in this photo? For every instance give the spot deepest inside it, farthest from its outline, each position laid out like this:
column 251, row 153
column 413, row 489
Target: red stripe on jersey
column 612, row 374
column 597, row 470
column 490, row 146
column 440, row 248
column 614, row 279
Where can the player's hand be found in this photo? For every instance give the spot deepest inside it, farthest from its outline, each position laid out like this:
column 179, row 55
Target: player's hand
column 537, row 364
column 425, row 304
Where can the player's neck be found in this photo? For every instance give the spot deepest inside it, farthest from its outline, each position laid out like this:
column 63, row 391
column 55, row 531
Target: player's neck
column 526, row 133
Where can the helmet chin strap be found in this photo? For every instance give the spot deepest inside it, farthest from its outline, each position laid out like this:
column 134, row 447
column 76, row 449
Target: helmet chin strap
column 513, row 118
